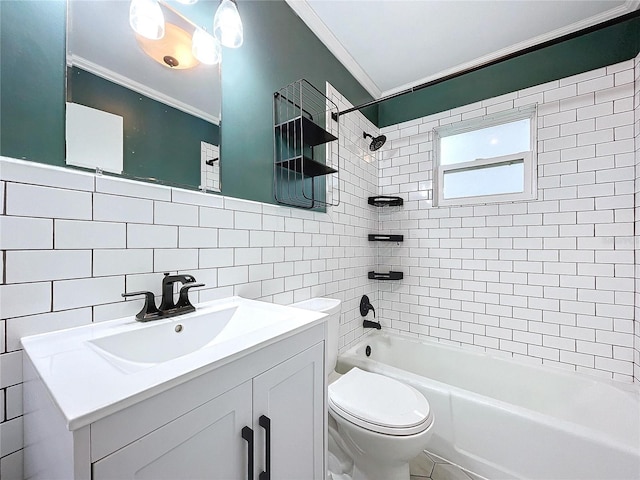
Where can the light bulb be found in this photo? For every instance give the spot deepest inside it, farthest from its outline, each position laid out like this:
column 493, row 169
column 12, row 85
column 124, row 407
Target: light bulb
column 205, row 48
column 227, row 26
column 146, row 19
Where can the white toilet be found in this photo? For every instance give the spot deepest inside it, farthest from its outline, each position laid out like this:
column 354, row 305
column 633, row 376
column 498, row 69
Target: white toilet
column 383, row 424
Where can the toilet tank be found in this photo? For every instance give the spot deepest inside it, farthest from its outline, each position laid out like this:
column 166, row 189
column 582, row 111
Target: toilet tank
column 330, row 306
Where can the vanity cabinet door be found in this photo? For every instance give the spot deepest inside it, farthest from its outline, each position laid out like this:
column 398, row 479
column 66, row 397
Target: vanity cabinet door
column 291, row 397
column 203, row 443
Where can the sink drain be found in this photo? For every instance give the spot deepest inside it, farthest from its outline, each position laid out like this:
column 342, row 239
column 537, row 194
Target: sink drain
column 178, row 328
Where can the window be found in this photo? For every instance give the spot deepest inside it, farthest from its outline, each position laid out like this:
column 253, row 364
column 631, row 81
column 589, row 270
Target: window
column 485, row 160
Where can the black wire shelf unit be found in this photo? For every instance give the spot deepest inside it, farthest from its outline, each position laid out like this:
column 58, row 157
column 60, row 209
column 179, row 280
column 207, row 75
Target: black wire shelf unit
column 306, row 168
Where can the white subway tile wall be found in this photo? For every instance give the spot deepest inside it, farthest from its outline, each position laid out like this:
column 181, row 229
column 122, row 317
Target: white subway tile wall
column 636, row 109
column 71, row 243
column 551, row 280
column 209, row 172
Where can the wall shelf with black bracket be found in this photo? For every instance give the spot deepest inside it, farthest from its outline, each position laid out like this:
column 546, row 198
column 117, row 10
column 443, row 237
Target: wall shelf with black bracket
column 385, row 276
column 314, row 134
column 306, row 165
column 376, row 237
column 306, row 154
column 385, row 201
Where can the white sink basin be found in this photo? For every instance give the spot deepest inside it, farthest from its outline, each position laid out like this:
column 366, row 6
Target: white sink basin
column 158, row 341
column 165, row 340
column 98, row 369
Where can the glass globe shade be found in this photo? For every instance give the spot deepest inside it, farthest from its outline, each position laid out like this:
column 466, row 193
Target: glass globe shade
column 205, row 47
column 227, row 26
column 146, row 19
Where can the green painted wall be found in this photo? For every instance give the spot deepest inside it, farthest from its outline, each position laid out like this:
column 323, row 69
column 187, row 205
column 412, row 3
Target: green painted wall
column 590, row 51
column 32, row 77
column 278, row 49
column 159, row 141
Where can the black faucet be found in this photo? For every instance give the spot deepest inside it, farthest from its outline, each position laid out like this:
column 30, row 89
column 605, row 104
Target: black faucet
column 370, row 324
column 167, row 307
column 365, row 307
column 167, row 289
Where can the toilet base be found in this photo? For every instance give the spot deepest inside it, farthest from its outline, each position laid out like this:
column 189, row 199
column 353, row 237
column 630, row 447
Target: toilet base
column 375, row 456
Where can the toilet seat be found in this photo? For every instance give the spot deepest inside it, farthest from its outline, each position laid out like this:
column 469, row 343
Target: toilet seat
column 380, row 404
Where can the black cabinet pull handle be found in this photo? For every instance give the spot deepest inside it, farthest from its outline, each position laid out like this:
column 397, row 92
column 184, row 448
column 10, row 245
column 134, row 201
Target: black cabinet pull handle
column 247, row 434
column 265, row 422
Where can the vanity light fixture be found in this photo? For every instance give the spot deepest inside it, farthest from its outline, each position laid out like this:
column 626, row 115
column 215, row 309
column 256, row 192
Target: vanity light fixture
column 165, row 42
column 205, row 47
column 227, row 25
column 146, row 19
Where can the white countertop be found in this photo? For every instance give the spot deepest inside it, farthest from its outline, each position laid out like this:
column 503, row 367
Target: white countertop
column 88, row 385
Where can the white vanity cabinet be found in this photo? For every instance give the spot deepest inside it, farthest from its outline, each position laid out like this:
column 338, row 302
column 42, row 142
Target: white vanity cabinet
column 291, row 397
column 204, row 443
column 194, row 430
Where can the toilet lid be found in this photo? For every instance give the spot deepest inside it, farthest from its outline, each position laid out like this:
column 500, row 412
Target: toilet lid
column 379, row 403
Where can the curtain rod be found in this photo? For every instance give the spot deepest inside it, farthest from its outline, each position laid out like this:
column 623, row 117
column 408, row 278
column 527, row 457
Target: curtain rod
column 508, row 56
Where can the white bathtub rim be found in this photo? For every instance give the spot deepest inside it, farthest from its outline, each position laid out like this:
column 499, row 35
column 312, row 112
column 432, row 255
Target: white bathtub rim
column 598, row 436
column 630, row 387
column 555, row 423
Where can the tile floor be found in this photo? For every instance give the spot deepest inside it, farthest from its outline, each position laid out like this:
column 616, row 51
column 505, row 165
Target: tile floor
column 428, row 466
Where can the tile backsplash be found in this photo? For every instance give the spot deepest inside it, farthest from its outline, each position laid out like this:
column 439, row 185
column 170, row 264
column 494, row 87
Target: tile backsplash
column 636, row 109
column 72, row 242
column 547, row 281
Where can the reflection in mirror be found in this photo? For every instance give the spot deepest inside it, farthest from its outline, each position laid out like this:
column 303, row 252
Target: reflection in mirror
column 145, row 109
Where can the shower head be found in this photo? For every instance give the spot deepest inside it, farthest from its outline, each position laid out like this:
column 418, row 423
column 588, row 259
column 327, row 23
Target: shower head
column 376, row 142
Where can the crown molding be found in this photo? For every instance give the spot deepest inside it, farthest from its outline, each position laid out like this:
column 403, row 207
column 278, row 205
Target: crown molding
column 628, row 7
column 100, row 71
column 326, row 36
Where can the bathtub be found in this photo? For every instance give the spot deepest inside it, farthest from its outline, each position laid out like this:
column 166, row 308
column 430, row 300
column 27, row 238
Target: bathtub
column 499, row 418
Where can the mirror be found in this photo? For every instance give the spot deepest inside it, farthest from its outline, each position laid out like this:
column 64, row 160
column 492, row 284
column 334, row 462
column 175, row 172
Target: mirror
column 133, row 115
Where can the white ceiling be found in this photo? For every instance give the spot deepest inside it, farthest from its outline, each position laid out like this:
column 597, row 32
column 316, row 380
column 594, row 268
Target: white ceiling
column 391, row 45
column 387, row 45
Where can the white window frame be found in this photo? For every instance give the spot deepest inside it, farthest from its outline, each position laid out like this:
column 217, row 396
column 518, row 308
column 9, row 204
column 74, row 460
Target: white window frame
column 529, row 158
